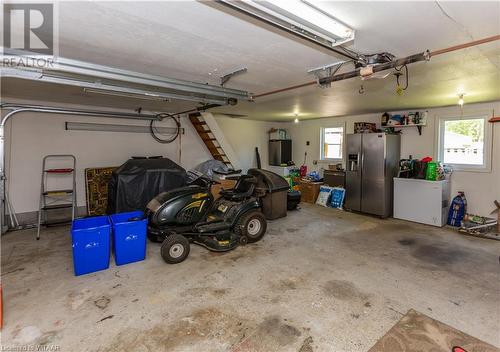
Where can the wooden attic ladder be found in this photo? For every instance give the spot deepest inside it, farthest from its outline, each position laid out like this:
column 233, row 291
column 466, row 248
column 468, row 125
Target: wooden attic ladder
column 210, row 139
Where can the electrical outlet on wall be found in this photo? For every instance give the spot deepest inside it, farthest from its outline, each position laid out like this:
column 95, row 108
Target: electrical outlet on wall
column 315, row 162
column 308, row 143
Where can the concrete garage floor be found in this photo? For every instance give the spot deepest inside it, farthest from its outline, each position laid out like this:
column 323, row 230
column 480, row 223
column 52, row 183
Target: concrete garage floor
column 320, row 280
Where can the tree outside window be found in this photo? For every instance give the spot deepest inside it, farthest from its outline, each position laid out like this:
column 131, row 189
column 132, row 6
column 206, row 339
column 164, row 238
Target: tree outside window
column 464, row 142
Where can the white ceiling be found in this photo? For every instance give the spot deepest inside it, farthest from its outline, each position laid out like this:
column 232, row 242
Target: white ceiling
column 199, row 41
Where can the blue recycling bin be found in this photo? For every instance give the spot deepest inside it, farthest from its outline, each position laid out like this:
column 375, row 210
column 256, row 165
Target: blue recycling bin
column 129, row 237
column 91, row 244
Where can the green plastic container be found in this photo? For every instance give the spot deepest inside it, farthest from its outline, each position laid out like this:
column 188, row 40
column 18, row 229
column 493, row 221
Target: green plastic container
column 431, row 173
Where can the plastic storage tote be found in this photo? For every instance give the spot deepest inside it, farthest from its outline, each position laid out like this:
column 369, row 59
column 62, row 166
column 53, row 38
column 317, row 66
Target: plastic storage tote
column 129, row 237
column 91, row 242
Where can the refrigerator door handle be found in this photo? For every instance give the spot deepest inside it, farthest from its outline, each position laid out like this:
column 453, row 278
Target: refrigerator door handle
column 385, row 160
column 362, row 162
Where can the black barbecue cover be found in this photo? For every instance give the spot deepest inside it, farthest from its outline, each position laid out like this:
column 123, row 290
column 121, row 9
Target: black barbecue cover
column 138, row 181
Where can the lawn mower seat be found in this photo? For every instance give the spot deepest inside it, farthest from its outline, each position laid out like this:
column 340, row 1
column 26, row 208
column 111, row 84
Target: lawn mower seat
column 244, row 188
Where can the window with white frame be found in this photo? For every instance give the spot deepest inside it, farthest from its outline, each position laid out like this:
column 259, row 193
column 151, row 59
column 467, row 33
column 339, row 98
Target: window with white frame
column 332, row 140
column 465, row 143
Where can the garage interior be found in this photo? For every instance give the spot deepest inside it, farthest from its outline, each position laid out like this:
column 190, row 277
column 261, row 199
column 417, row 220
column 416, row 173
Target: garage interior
column 295, row 175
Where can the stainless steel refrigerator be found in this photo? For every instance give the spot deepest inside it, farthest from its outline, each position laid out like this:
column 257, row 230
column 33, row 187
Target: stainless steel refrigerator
column 372, row 163
column 280, row 151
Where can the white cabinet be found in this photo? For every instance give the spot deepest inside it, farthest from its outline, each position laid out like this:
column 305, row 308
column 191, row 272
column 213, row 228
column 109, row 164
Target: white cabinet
column 426, row 202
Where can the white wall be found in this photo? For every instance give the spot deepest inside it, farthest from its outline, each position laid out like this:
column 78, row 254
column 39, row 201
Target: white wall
column 481, row 188
column 245, row 135
column 31, row 136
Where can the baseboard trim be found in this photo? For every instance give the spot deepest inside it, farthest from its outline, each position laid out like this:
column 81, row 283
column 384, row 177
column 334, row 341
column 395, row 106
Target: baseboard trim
column 31, row 218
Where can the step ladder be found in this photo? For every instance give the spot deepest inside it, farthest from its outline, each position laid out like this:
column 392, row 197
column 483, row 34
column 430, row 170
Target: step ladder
column 56, row 199
column 209, row 139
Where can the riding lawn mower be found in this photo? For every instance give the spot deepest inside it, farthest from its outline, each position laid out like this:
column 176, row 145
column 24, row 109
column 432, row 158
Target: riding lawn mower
column 191, row 214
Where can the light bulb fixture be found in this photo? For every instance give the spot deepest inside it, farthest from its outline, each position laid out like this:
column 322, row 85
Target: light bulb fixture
column 296, row 120
column 461, row 100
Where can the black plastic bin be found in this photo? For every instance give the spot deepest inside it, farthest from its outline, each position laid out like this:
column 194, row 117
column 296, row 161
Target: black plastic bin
column 293, row 199
column 274, row 205
column 274, row 202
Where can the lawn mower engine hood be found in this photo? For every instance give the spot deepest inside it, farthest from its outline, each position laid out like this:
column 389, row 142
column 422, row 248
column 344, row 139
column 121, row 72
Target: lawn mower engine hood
column 181, row 206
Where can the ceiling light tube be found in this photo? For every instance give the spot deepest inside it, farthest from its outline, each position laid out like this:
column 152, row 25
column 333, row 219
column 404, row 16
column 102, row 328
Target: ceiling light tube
column 298, row 17
column 302, row 13
column 104, row 127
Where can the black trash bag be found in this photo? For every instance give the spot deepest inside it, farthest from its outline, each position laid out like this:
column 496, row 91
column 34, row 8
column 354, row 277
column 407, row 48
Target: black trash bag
column 136, row 182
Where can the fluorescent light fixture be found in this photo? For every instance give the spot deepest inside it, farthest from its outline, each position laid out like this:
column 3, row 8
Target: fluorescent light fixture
column 105, row 127
column 298, row 16
column 144, row 96
column 306, row 14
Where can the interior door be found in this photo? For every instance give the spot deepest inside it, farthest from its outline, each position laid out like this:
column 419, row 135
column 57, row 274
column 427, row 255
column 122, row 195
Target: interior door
column 373, row 169
column 353, row 172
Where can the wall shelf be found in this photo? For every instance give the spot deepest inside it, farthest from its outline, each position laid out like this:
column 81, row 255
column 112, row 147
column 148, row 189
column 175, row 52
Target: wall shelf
column 418, row 126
